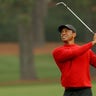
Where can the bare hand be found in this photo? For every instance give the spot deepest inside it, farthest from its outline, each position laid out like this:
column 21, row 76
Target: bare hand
column 94, row 39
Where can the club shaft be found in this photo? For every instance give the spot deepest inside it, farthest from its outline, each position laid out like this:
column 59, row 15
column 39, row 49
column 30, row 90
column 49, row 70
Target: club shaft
column 76, row 16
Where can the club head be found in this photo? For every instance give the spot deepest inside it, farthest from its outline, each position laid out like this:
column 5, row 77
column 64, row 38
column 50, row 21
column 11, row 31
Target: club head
column 60, row 3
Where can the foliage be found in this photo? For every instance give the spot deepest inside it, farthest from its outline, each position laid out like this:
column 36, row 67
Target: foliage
column 60, row 15
column 11, row 12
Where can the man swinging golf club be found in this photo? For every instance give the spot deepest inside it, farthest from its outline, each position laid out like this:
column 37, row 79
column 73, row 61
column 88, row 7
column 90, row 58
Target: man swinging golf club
column 74, row 62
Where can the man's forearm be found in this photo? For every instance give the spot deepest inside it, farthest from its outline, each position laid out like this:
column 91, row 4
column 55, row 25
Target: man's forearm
column 93, row 42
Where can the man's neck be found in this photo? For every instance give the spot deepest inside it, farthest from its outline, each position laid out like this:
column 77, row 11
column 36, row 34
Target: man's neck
column 69, row 43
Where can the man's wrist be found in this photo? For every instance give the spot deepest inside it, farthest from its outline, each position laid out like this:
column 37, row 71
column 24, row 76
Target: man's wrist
column 93, row 42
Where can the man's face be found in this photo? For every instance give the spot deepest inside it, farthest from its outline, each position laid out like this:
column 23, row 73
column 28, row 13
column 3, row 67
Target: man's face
column 67, row 35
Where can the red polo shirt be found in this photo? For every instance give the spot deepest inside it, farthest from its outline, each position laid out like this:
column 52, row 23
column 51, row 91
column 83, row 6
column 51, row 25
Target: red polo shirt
column 74, row 64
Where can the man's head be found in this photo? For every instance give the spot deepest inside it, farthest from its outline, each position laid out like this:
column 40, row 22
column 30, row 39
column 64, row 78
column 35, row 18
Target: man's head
column 68, row 33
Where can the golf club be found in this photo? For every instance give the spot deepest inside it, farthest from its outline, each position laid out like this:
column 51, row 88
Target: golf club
column 75, row 16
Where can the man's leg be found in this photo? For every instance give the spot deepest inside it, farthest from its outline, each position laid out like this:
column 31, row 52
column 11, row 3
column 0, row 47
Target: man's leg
column 68, row 93
column 78, row 92
column 85, row 92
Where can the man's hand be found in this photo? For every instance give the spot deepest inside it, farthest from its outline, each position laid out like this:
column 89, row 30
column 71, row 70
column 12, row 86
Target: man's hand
column 94, row 39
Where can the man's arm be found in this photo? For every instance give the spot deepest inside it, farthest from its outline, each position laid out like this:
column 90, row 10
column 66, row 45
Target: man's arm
column 61, row 55
column 65, row 54
column 94, row 39
column 92, row 54
column 93, row 58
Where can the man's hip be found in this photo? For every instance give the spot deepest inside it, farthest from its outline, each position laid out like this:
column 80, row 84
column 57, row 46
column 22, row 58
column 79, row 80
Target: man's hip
column 86, row 91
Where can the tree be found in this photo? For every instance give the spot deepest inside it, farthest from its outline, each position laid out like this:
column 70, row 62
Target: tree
column 27, row 68
column 28, row 19
column 38, row 15
column 21, row 10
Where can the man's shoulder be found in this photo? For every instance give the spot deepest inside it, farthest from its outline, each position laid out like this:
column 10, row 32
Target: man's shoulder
column 57, row 49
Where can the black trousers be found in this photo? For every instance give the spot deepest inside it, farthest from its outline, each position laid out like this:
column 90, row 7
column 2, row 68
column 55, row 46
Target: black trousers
column 78, row 92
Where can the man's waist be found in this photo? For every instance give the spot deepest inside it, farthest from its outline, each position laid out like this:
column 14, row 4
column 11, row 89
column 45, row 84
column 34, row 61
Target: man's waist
column 76, row 88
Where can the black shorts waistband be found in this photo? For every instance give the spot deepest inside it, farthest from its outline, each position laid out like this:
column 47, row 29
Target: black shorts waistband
column 76, row 88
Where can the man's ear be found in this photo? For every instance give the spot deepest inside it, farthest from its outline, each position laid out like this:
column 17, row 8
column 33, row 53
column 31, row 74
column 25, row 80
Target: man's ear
column 74, row 34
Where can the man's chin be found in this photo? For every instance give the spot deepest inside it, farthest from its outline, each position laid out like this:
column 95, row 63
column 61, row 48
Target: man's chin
column 65, row 41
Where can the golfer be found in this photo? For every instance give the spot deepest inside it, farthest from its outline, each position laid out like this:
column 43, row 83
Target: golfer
column 74, row 62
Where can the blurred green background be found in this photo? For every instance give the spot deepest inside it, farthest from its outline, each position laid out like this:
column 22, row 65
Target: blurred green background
column 28, row 34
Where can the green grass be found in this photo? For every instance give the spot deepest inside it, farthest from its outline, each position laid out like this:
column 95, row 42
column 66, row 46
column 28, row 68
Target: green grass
column 44, row 64
column 31, row 90
column 45, row 67
column 9, row 68
column 35, row 90
column 94, row 88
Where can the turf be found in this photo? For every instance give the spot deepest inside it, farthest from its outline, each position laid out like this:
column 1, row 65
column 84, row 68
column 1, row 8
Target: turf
column 9, row 68
column 45, row 68
column 44, row 64
column 35, row 90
